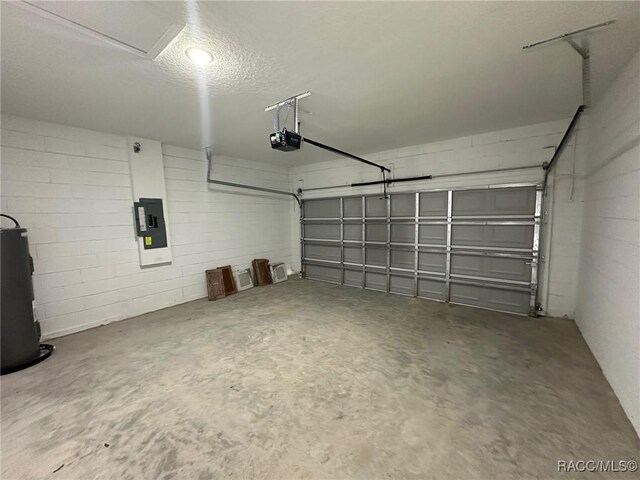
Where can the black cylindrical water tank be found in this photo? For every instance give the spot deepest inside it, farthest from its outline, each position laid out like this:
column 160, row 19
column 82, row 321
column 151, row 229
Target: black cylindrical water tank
column 20, row 339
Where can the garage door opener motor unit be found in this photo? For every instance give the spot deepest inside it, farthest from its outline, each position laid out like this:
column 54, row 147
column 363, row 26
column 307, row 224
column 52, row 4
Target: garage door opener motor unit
column 285, row 140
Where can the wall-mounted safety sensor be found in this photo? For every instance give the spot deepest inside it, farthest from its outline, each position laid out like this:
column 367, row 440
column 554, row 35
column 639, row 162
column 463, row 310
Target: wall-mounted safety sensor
column 150, row 224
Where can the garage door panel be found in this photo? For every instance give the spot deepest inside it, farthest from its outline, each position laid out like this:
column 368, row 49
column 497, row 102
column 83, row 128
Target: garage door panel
column 353, row 231
column 322, row 231
column 329, row 208
column 353, row 277
column 376, row 256
column 491, row 267
column 516, row 236
column 500, row 201
column 376, row 206
column 376, row 281
column 487, row 297
column 376, row 232
column 509, row 268
column 468, row 257
column 513, row 201
column 402, row 259
column 353, row 207
column 403, row 205
column 402, row 233
column 432, row 234
column 327, row 274
column 505, row 236
column 468, row 235
column 353, row 255
column 431, row 289
column 323, row 252
column 404, row 285
column 472, row 202
column 433, row 204
column 432, row 262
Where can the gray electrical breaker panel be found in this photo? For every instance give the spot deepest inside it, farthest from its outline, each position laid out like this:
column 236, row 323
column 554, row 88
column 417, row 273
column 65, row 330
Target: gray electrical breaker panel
column 150, row 222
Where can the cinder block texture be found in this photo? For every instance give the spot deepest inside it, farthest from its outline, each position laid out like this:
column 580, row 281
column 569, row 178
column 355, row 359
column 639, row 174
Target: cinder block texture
column 71, row 189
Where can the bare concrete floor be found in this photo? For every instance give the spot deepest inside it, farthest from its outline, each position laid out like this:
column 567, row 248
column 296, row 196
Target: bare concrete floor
column 311, row 380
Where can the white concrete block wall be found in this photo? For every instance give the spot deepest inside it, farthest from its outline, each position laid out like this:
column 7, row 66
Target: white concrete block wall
column 608, row 311
column 71, row 189
column 516, row 147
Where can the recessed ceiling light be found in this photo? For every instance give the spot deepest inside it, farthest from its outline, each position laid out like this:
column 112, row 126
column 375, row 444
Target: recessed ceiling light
column 199, row 56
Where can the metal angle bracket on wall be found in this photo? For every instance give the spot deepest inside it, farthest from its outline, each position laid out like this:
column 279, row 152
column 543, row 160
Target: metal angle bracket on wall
column 209, row 155
column 582, row 50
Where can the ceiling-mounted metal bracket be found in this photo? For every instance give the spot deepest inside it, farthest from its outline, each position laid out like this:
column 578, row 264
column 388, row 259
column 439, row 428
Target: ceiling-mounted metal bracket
column 565, row 36
column 291, row 101
column 582, row 50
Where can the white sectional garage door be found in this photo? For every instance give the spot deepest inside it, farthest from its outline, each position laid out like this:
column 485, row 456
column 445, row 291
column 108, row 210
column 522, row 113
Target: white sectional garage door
column 474, row 247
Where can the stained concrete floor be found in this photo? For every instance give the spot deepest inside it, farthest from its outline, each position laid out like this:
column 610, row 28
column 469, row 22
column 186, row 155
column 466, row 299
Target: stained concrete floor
column 312, row 380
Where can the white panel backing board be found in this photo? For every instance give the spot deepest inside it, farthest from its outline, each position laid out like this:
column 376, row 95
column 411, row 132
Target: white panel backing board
column 147, row 181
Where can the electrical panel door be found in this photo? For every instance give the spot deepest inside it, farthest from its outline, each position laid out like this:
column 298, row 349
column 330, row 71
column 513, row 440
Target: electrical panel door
column 150, row 224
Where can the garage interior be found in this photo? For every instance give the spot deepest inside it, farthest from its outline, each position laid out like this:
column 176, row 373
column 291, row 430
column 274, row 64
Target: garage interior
column 326, row 240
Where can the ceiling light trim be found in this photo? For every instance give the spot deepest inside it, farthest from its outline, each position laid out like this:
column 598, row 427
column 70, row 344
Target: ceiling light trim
column 163, row 42
column 199, row 56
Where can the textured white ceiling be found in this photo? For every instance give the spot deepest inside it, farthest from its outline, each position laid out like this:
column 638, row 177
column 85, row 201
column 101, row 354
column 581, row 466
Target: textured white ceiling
column 383, row 75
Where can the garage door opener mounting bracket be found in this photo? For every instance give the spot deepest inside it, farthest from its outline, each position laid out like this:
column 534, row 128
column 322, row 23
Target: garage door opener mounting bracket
column 582, row 50
column 287, row 141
